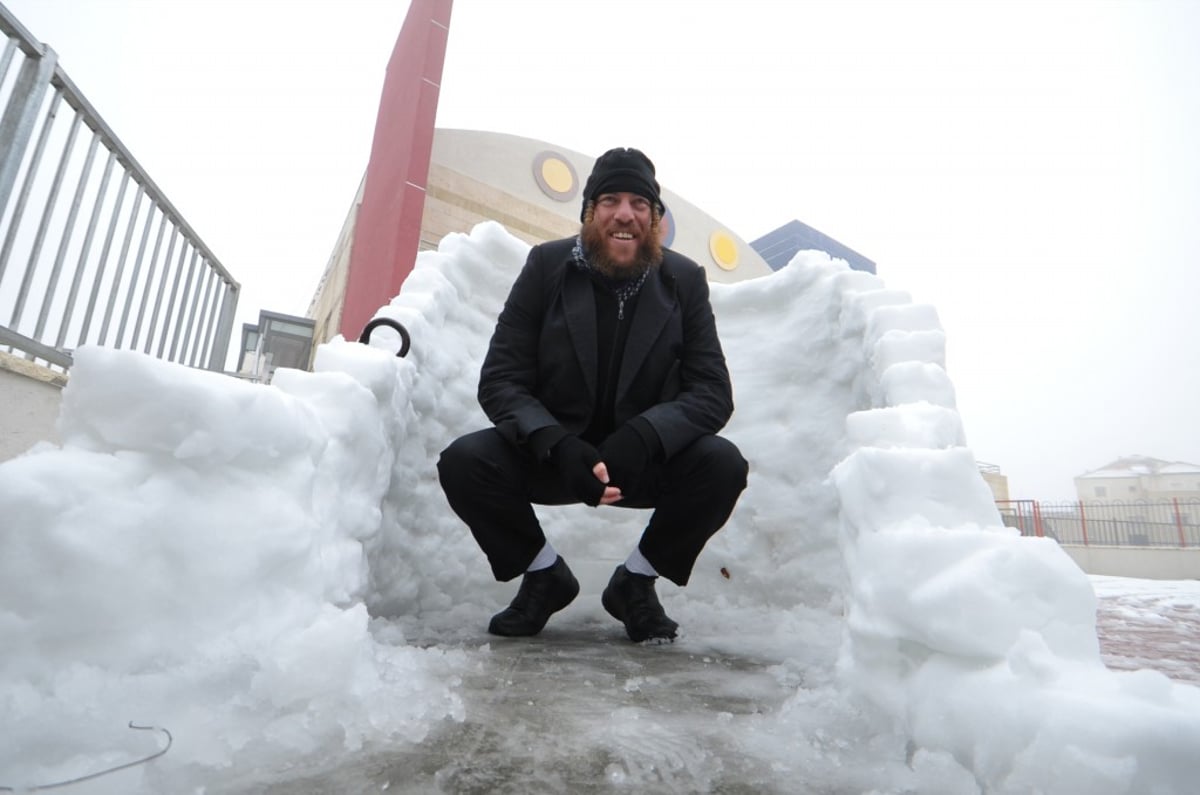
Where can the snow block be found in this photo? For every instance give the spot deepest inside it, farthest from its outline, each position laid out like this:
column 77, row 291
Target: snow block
column 913, row 425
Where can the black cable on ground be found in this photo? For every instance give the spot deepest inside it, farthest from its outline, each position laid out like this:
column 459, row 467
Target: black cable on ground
column 99, row 773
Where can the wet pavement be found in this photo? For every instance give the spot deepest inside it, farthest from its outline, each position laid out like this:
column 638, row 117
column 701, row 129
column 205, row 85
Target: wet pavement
column 1147, row 628
column 580, row 709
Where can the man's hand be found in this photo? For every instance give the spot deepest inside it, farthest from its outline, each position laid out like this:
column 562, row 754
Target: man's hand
column 611, row 493
column 582, row 472
column 629, row 452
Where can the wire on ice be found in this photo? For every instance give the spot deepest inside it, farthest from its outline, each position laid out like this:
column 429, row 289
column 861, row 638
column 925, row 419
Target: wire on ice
column 99, row 773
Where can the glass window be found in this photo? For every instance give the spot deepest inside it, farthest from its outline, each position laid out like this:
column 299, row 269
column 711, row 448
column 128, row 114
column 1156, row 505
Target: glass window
column 286, row 327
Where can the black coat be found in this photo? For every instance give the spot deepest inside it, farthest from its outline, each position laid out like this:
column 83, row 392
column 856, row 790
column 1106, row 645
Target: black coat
column 541, row 366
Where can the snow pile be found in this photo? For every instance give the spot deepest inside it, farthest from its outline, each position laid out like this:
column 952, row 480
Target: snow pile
column 977, row 641
column 193, row 557
column 202, row 554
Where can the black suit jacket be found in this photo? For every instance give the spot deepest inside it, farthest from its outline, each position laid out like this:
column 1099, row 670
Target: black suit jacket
column 541, row 366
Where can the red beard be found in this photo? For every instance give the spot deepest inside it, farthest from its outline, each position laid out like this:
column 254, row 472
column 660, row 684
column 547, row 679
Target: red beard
column 649, row 250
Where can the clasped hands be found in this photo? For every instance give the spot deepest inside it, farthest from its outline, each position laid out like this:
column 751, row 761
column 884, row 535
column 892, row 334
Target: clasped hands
column 595, row 476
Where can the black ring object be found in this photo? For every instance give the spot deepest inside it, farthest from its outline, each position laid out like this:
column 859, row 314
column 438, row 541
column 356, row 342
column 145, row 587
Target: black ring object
column 405, row 339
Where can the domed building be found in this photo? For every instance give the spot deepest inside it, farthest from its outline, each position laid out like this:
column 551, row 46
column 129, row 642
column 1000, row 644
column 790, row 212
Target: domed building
column 533, row 189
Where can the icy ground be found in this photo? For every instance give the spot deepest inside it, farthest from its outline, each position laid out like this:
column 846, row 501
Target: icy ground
column 272, row 574
column 1150, row 624
column 577, row 710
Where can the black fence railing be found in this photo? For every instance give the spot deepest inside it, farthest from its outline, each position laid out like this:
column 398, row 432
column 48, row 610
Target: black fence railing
column 1143, row 523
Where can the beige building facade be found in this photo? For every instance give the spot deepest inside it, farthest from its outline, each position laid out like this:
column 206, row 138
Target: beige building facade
column 533, row 189
column 996, row 480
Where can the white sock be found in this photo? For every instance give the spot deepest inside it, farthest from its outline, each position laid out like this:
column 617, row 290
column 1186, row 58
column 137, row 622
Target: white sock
column 636, row 563
column 544, row 560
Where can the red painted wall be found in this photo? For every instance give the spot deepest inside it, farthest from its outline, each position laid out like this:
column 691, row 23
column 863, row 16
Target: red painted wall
column 387, row 231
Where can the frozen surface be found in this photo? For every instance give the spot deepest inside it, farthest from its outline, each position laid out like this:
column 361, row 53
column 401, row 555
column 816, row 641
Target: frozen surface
column 1150, row 624
column 578, row 710
column 272, row 574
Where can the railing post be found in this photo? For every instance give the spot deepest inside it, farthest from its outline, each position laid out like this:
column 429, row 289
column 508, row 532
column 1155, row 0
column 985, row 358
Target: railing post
column 224, row 329
column 16, row 126
column 1037, row 519
column 1178, row 522
column 1083, row 522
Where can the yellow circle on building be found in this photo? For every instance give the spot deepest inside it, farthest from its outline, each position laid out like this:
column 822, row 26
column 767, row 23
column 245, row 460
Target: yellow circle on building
column 555, row 175
column 724, row 249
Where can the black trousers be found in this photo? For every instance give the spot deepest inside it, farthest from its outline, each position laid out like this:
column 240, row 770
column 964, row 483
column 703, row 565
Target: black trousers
column 492, row 484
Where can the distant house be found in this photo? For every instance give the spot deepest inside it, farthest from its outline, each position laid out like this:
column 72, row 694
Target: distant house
column 1139, row 478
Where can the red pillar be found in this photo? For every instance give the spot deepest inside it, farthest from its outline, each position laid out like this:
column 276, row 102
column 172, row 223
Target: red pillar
column 388, row 228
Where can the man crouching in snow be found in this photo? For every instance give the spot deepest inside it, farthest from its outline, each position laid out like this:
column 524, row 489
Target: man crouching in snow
column 606, row 384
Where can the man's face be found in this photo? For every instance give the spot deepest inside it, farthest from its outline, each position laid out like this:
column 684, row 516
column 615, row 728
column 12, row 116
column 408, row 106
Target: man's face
column 619, row 235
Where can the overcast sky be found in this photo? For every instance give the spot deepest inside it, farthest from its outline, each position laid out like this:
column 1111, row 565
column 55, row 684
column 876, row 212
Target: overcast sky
column 1028, row 168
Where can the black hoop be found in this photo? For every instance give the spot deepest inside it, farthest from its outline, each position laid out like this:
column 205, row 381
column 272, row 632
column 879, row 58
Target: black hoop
column 405, row 340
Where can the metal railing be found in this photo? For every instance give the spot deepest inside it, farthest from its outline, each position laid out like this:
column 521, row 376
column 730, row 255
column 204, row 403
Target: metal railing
column 91, row 251
column 1144, row 523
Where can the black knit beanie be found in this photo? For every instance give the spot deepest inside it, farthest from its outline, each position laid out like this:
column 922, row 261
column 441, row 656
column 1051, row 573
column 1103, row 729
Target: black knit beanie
column 622, row 170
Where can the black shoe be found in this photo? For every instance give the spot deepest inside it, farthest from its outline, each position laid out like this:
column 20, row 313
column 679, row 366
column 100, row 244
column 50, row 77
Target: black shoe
column 630, row 599
column 542, row 593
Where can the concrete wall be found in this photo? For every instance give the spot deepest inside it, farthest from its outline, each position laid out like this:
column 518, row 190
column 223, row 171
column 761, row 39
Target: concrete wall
column 29, row 400
column 1148, row 563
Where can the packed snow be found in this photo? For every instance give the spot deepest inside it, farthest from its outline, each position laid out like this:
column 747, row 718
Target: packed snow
column 266, row 571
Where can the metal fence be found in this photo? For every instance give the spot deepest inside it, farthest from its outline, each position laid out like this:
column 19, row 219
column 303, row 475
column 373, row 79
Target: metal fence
column 1144, row 523
column 91, row 251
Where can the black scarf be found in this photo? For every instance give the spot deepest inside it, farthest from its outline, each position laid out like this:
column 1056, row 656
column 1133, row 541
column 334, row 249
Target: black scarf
column 622, row 289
